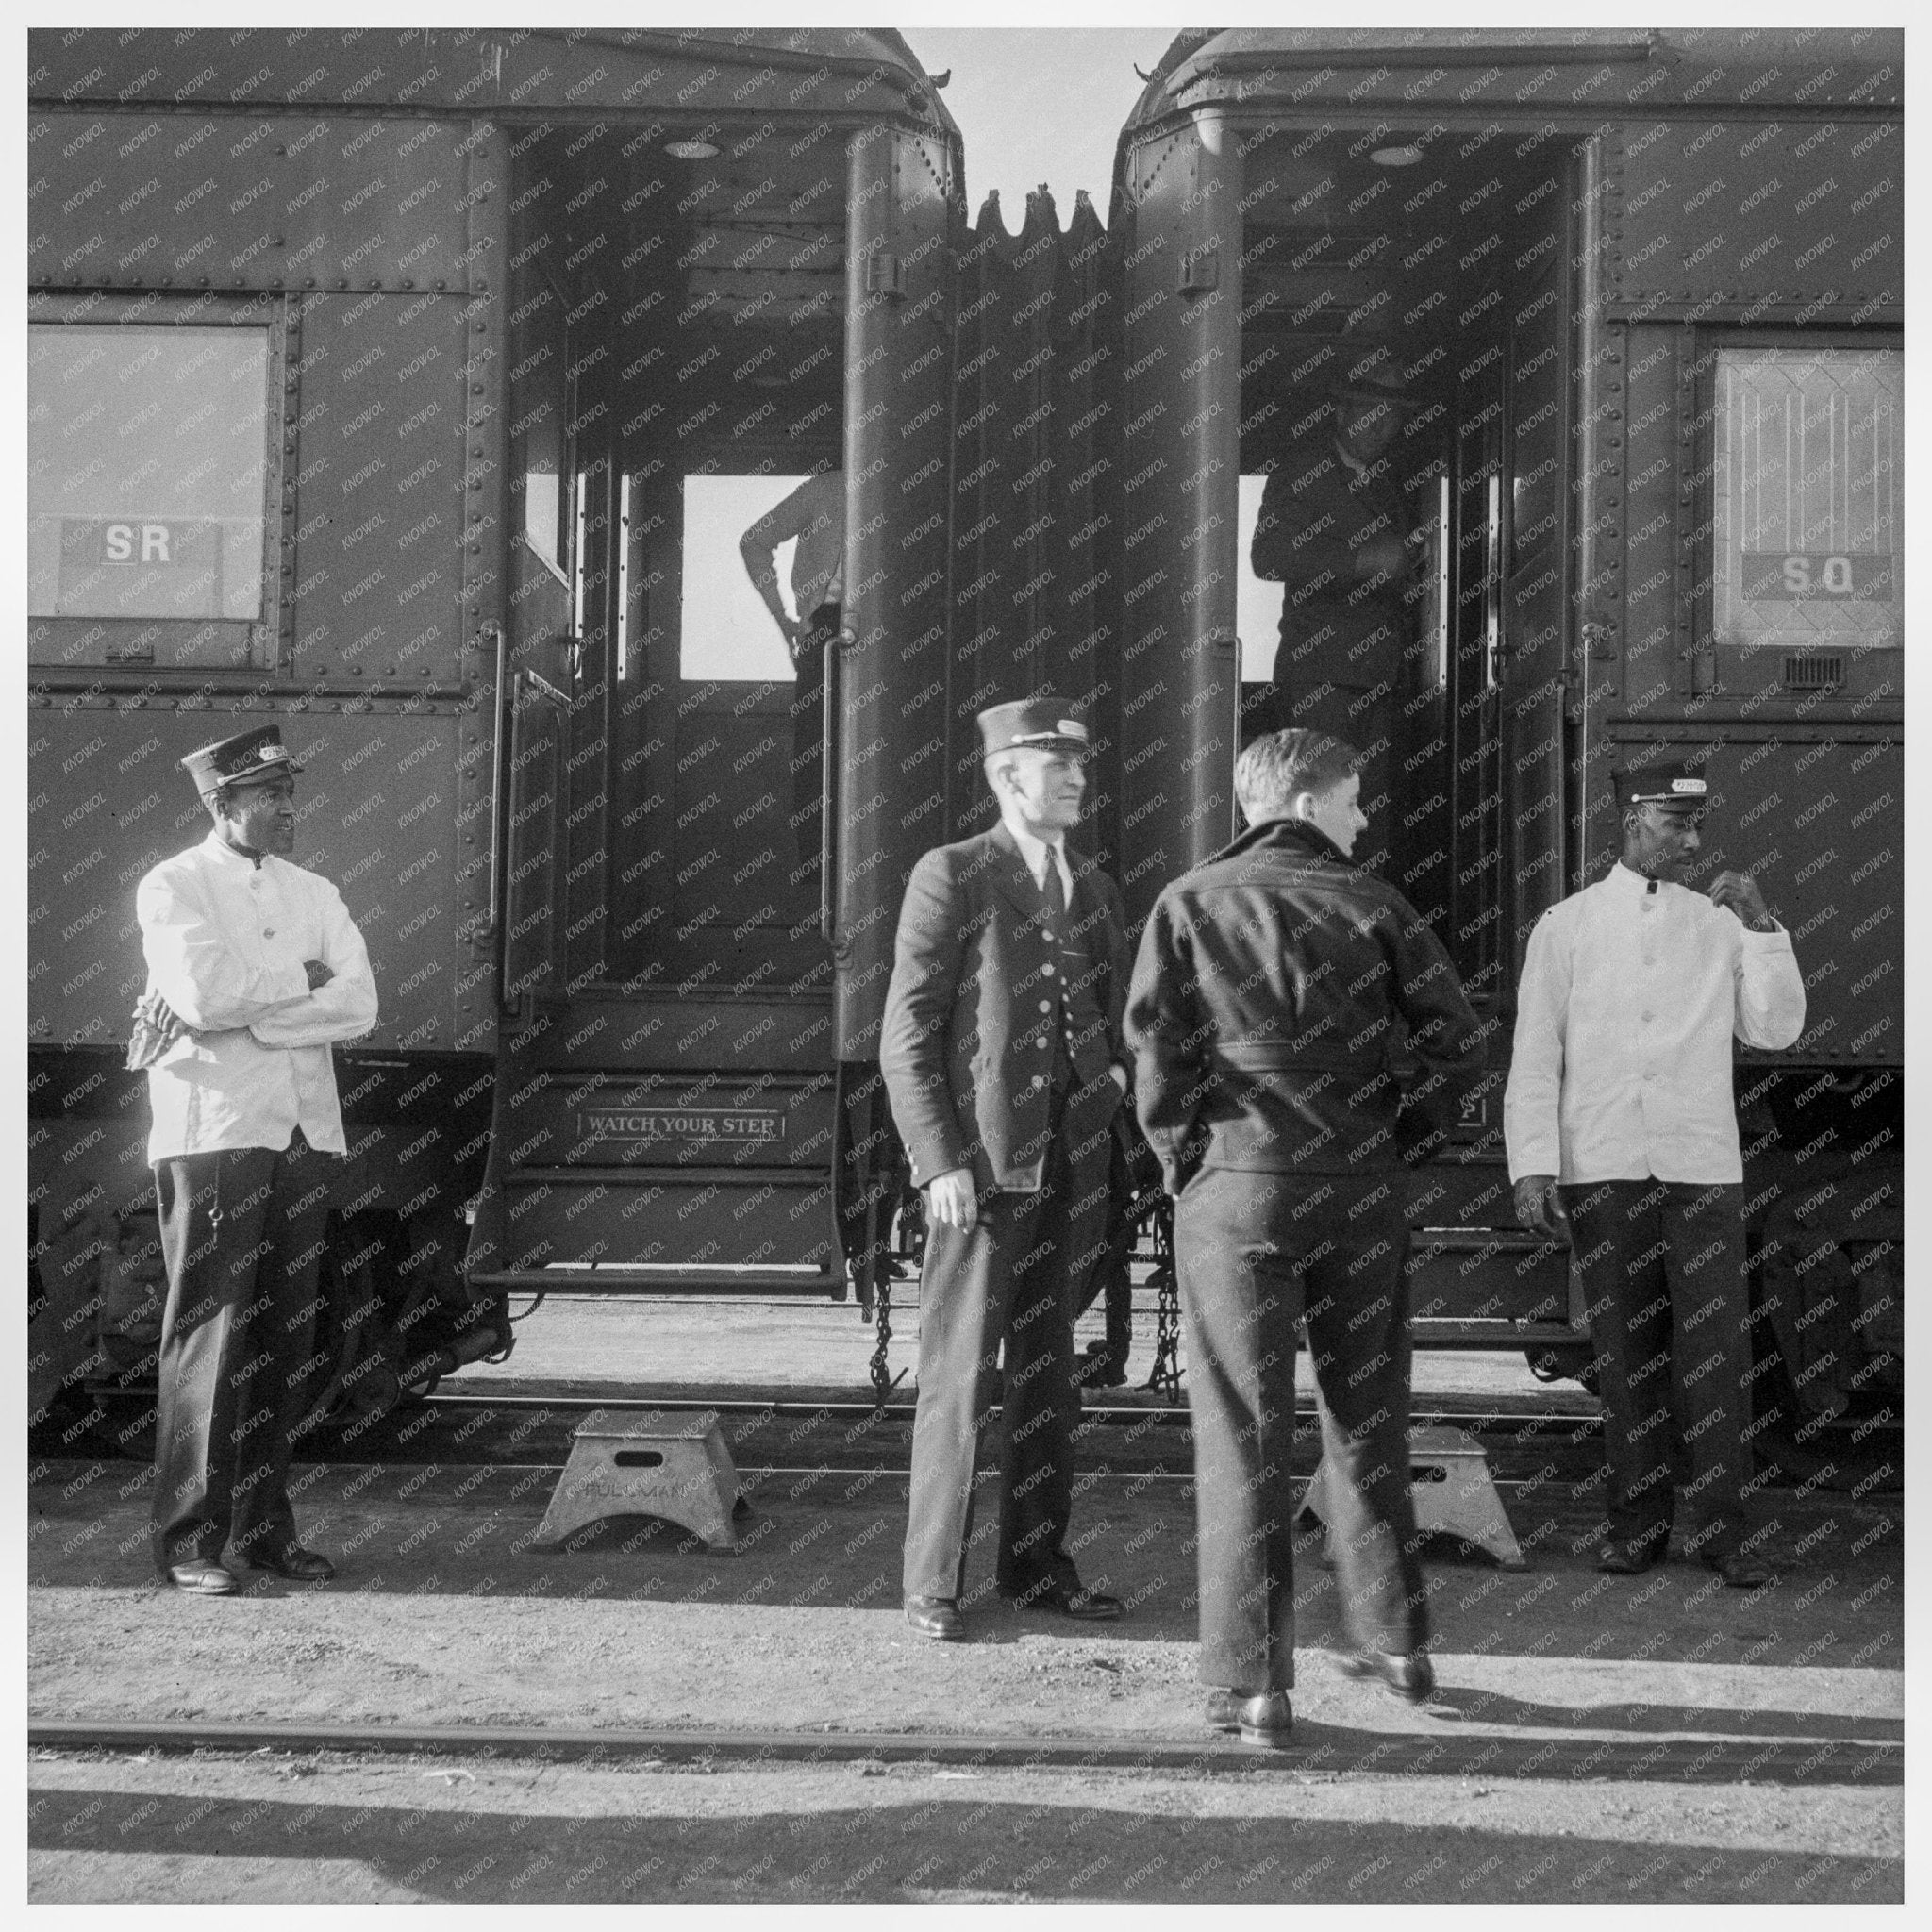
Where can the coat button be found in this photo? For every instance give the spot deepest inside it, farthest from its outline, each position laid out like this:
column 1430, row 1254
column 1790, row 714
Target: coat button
column 1042, row 1041
column 1048, row 971
column 1039, row 1079
column 1047, row 1006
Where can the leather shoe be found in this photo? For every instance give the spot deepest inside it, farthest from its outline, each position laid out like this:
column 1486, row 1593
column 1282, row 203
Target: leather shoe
column 203, row 1576
column 1740, row 1570
column 937, row 1616
column 1264, row 1718
column 1085, row 1606
column 1412, row 1678
column 297, row 1564
column 1618, row 1559
column 1100, row 1369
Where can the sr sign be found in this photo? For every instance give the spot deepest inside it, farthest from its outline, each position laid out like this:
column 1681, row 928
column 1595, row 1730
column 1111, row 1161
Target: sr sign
column 140, row 567
column 136, row 542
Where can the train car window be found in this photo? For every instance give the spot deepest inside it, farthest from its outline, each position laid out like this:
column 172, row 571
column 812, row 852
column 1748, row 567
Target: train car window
column 1256, row 602
column 147, row 471
column 726, row 633
column 1806, row 491
column 543, row 411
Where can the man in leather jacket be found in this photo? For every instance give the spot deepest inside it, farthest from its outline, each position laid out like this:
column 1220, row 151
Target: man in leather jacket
column 1276, row 990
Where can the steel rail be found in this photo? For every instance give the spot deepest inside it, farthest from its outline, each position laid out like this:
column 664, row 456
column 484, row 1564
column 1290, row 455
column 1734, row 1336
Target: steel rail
column 1322, row 1748
column 1480, row 1421
column 880, row 1470
column 1555, row 1425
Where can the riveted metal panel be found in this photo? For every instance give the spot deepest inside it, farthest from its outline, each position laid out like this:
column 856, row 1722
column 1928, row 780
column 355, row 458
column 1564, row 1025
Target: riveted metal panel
column 1001, row 459
column 482, row 614
column 1816, row 816
column 373, row 817
column 244, row 200
column 662, row 1220
column 692, row 73
column 1036, row 597
column 1562, row 74
column 533, row 905
column 376, row 794
column 1756, row 221
column 1180, row 409
column 1646, row 650
column 382, row 487
column 902, row 210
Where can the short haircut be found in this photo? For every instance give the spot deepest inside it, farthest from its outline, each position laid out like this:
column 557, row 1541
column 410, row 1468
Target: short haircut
column 1279, row 766
column 994, row 762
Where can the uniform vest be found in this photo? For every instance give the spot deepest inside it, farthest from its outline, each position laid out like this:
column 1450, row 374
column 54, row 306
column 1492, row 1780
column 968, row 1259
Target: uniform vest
column 1079, row 1015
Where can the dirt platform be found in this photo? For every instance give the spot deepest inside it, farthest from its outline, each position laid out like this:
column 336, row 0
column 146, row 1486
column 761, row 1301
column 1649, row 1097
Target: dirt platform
column 447, row 1611
column 1657, row 1737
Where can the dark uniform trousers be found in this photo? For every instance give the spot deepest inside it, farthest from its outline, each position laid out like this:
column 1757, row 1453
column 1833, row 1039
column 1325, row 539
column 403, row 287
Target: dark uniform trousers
column 1663, row 1276
column 241, row 1232
column 1012, row 1277
column 1254, row 1253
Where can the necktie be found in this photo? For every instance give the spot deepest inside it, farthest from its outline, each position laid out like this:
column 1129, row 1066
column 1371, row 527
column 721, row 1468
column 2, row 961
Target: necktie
column 1056, row 896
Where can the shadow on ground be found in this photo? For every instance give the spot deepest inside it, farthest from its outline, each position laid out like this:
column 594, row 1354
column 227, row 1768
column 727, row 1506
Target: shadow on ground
column 916, row 1849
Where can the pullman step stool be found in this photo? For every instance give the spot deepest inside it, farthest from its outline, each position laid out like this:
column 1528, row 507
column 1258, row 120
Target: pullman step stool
column 647, row 1463
column 1455, row 1494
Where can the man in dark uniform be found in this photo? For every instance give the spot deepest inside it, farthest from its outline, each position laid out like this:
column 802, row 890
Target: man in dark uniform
column 1000, row 1055
column 1275, row 991
column 814, row 516
column 1334, row 531
column 255, row 968
column 1632, row 994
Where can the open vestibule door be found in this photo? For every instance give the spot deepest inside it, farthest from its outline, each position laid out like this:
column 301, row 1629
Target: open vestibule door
column 692, row 338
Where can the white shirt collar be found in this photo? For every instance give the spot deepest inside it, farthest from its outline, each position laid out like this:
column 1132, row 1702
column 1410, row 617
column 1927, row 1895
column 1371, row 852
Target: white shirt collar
column 1034, row 851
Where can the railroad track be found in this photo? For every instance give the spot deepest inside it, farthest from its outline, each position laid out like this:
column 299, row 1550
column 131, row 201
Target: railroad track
column 852, row 1435
column 1316, row 1749
column 535, row 1430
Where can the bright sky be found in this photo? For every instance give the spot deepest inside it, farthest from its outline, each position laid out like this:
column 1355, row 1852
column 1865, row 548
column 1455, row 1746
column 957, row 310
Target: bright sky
column 1039, row 104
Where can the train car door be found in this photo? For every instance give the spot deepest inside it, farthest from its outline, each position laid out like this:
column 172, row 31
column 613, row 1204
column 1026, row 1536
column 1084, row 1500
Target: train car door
column 1540, row 507
column 688, row 319
column 540, row 644
column 1495, row 733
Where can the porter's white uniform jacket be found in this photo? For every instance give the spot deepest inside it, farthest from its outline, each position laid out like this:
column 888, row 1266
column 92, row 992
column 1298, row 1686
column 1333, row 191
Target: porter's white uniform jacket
column 1632, row 993
column 225, row 938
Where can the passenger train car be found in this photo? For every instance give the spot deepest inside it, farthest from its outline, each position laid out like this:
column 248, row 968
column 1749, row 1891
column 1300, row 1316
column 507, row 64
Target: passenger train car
column 413, row 390
column 1645, row 290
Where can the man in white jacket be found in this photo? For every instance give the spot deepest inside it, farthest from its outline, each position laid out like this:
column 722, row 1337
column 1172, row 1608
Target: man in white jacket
column 1623, row 1139
column 255, row 968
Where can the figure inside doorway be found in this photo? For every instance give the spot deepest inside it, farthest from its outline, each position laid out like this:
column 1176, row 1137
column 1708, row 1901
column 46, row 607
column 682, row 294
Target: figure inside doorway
column 1336, row 531
column 814, row 513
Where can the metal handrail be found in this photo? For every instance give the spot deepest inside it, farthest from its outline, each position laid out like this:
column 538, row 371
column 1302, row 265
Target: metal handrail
column 828, row 784
column 496, row 782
